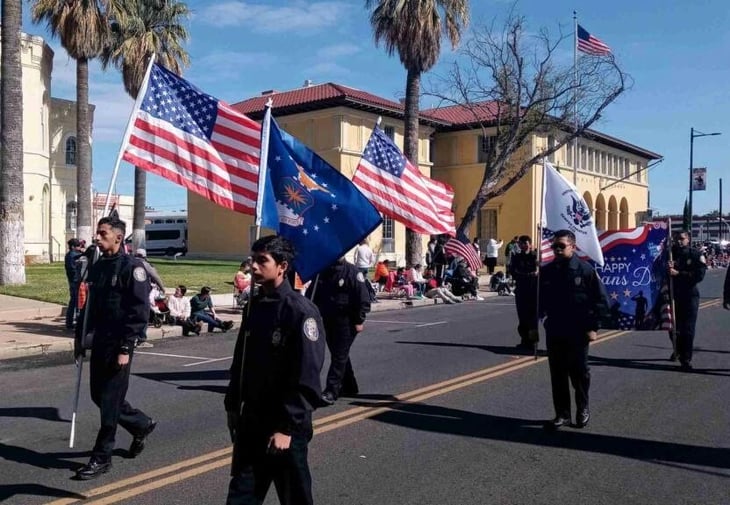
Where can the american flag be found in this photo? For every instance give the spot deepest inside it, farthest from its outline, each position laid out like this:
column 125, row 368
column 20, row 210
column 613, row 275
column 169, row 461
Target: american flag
column 400, row 191
column 195, row 140
column 589, row 44
column 462, row 247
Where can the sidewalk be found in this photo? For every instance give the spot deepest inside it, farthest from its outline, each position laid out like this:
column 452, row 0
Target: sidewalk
column 33, row 328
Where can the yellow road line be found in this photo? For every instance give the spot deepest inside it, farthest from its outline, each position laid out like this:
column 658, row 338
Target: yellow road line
column 220, row 458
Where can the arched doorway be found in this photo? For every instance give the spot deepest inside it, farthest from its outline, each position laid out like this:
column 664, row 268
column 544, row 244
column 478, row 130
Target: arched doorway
column 600, row 213
column 623, row 218
column 589, row 201
column 612, row 214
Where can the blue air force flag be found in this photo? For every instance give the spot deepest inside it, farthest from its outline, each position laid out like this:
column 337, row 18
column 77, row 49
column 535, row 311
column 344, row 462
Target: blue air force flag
column 309, row 202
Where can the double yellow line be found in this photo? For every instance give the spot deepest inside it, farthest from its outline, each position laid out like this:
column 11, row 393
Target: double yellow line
column 145, row 482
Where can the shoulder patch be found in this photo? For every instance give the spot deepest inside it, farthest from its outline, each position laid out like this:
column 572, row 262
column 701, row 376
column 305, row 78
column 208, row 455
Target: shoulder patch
column 140, row 274
column 360, row 277
column 310, row 329
column 702, row 259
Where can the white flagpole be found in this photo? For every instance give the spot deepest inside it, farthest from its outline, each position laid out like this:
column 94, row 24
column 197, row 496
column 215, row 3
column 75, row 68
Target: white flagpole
column 128, row 132
column 575, row 98
column 539, row 249
column 263, row 164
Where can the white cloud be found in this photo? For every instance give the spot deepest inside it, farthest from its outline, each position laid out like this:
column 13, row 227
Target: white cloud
column 337, row 51
column 227, row 65
column 326, row 71
column 111, row 115
column 296, row 17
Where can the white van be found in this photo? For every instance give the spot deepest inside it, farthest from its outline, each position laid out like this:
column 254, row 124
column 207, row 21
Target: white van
column 166, row 238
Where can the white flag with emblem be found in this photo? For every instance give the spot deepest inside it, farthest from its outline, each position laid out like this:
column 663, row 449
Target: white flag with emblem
column 563, row 208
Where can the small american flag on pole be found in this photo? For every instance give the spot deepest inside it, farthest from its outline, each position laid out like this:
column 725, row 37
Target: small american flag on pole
column 195, row 140
column 462, row 247
column 400, row 191
column 589, row 44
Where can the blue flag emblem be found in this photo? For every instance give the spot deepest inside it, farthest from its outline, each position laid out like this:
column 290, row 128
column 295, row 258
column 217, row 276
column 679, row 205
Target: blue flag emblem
column 309, row 202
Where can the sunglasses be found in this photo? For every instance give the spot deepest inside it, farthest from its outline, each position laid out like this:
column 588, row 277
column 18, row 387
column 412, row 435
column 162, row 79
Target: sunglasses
column 558, row 246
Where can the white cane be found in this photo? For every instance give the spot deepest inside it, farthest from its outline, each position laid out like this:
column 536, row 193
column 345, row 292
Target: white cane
column 79, row 368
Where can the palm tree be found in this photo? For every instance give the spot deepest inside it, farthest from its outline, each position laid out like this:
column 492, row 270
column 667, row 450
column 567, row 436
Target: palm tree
column 12, row 262
column 413, row 28
column 140, row 29
column 82, row 29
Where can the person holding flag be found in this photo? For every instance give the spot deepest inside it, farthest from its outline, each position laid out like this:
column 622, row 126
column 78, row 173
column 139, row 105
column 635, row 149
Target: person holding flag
column 572, row 300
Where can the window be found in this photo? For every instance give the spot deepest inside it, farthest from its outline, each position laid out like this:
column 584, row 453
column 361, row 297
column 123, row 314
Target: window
column 488, row 224
column 162, row 235
column 388, row 235
column 71, row 213
column 485, row 144
column 390, row 132
column 71, row 151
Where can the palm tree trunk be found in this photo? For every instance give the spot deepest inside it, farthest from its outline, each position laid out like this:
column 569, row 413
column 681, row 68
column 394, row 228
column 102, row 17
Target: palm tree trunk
column 12, row 246
column 83, row 161
column 410, row 149
column 140, row 193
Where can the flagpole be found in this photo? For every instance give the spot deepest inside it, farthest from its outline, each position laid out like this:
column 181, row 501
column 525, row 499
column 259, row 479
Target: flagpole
column 673, row 329
column 128, row 131
column 575, row 99
column 539, row 253
column 263, row 165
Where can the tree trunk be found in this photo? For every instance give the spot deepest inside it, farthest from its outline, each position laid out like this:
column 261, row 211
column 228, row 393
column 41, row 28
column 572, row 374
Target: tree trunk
column 83, row 155
column 12, row 239
column 140, row 194
column 470, row 215
column 410, row 149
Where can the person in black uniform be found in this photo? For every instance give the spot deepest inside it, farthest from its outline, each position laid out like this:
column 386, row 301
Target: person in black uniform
column 523, row 267
column 118, row 307
column 573, row 300
column 274, row 384
column 687, row 270
column 72, row 275
column 342, row 297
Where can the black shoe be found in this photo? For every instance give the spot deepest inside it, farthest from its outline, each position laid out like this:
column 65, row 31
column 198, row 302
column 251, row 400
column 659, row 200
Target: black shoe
column 138, row 442
column 673, row 357
column 582, row 418
column 328, row 398
column 227, row 325
column 350, row 392
column 686, row 365
column 557, row 423
column 93, row 469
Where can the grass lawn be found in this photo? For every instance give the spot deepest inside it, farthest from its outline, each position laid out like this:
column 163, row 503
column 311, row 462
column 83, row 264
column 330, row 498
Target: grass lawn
column 48, row 282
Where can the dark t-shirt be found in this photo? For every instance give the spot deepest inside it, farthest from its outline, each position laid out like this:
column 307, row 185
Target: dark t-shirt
column 197, row 304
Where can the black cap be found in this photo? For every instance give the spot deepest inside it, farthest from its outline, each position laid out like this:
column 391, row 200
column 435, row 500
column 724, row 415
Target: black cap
column 74, row 242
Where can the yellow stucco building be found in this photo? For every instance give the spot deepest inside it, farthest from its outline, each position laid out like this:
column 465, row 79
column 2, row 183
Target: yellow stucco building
column 336, row 121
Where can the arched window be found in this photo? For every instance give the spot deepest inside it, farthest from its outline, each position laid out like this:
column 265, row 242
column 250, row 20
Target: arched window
column 71, row 213
column 71, row 151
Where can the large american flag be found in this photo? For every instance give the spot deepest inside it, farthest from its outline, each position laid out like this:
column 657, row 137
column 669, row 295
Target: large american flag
column 462, row 247
column 400, row 191
column 589, row 44
column 196, row 141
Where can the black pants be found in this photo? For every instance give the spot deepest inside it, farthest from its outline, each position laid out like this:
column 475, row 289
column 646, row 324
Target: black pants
column 686, row 310
column 491, row 264
column 568, row 359
column 109, row 385
column 256, row 469
column 340, row 336
column 526, row 303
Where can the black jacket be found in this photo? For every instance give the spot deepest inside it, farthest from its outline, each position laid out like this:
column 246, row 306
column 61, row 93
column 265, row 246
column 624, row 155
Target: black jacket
column 340, row 291
column 523, row 266
column 726, row 291
column 572, row 298
column 275, row 375
column 692, row 267
column 118, row 302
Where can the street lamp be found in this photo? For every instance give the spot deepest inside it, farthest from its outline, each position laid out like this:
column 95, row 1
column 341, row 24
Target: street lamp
column 692, row 136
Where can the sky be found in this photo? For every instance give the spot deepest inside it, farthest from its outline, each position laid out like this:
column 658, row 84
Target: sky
column 676, row 56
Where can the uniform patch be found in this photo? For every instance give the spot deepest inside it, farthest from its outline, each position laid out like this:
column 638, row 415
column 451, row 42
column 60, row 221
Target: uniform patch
column 578, row 281
column 114, row 280
column 689, row 261
column 702, row 259
column 310, row 329
column 360, row 277
column 140, row 274
column 276, row 337
column 341, row 282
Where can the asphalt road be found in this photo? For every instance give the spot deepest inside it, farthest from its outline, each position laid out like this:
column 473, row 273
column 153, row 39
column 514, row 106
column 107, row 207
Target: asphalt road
column 449, row 414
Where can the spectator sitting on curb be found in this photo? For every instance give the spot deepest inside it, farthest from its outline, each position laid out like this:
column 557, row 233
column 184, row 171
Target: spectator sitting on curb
column 382, row 271
column 180, row 312
column 436, row 292
column 242, row 283
column 201, row 307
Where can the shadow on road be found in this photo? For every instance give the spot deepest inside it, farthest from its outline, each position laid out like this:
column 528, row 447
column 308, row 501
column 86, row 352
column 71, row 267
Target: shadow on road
column 505, row 350
column 47, row 413
column 656, row 365
column 48, row 460
column 42, row 327
column 30, row 489
column 526, row 431
column 201, row 375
